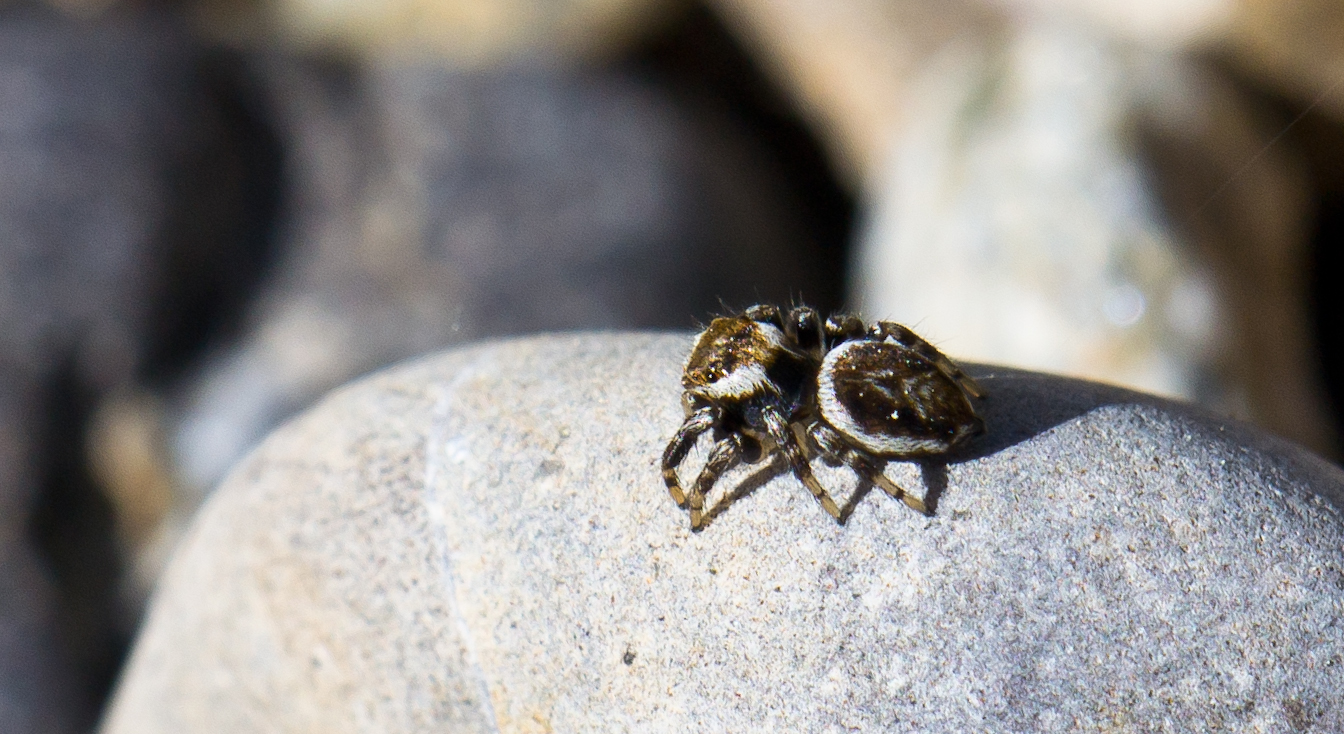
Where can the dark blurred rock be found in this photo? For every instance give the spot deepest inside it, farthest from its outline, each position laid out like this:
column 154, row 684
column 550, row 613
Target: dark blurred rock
column 579, row 200
column 36, row 694
column 104, row 130
column 432, row 206
column 85, row 116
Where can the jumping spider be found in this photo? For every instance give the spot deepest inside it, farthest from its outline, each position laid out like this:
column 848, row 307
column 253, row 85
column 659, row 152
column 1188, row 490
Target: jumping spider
column 769, row 381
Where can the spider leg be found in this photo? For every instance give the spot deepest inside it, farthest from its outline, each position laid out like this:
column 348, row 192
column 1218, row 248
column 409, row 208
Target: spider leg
column 724, row 456
column 778, row 428
column 831, row 446
column 910, row 340
column 765, row 314
column 680, row 445
column 843, row 327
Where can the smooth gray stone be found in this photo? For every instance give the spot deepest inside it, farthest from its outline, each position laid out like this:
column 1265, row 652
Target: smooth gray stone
column 480, row 541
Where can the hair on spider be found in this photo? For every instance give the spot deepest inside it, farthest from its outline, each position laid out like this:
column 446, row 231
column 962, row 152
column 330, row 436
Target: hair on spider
column 768, row 381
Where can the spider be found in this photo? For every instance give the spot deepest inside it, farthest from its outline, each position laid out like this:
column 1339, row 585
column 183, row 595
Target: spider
column 770, row 381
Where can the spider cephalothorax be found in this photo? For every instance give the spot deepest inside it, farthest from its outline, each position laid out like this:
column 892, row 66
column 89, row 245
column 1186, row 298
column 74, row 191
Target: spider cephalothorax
column 769, row 381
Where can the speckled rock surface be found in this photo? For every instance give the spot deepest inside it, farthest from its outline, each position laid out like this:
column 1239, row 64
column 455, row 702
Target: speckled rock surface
column 480, row 541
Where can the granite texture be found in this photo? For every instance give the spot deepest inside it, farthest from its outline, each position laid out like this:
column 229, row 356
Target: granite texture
column 481, row 542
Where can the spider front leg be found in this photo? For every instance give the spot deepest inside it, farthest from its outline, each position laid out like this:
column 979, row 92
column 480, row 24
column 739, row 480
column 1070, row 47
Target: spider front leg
column 696, row 423
column 843, row 327
column 724, row 456
column 765, row 314
column 834, row 449
column 778, row 428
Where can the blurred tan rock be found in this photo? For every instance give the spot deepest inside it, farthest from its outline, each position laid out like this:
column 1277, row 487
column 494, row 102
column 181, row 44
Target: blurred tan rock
column 1043, row 179
column 1296, row 45
column 1016, row 225
column 1165, row 24
column 1245, row 209
column 126, row 453
column 469, row 33
column 842, row 60
column 850, row 65
column 1025, row 222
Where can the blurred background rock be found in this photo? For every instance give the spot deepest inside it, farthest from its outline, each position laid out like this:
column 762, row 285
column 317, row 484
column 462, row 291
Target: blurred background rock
column 116, row 252
column 212, row 212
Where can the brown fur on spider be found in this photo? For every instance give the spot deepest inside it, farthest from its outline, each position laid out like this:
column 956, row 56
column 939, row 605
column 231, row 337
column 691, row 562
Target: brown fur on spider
column 768, row 381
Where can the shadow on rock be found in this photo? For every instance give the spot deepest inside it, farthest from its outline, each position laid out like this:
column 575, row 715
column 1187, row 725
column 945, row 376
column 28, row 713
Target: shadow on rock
column 1019, row 405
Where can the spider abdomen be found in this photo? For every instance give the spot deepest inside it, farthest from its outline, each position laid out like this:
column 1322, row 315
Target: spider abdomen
column 892, row 401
